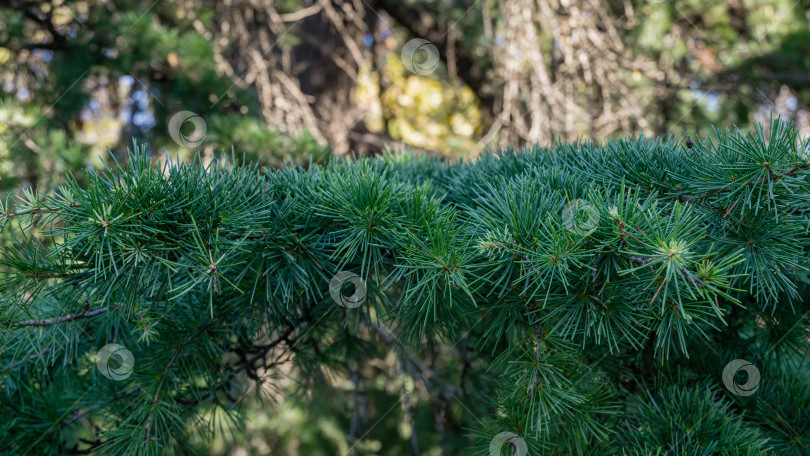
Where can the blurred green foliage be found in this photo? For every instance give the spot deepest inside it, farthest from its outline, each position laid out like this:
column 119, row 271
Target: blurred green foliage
column 117, row 73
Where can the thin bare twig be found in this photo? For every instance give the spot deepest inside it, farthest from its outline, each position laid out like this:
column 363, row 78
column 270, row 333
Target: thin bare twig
column 70, row 317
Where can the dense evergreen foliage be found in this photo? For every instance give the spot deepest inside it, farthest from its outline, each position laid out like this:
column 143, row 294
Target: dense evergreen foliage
column 576, row 300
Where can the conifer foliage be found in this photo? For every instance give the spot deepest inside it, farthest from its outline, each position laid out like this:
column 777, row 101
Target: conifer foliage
column 636, row 297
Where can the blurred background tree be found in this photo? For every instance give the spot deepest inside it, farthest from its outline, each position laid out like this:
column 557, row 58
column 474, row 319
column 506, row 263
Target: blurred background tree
column 303, row 78
column 306, row 79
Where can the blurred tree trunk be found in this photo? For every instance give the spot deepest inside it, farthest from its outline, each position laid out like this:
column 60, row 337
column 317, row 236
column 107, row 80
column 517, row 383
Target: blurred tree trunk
column 304, row 66
column 561, row 70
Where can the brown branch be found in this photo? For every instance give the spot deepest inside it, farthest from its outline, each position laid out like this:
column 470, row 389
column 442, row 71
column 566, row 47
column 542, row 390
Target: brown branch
column 624, row 232
column 77, row 415
column 10, row 366
column 731, row 208
column 47, row 275
column 249, row 363
column 70, row 317
column 422, row 371
column 797, row 167
column 37, row 210
column 162, row 376
column 658, row 290
column 773, row 178
column 535, row 383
